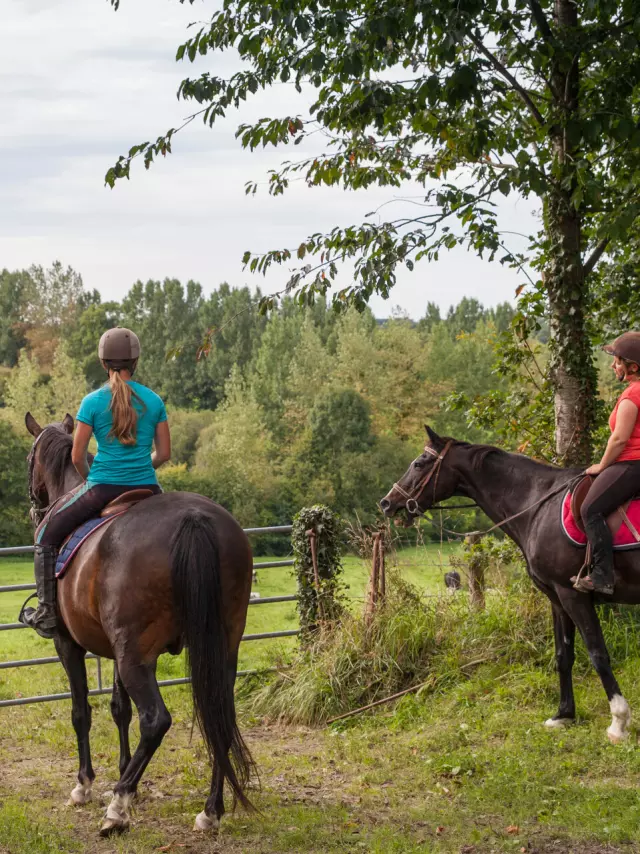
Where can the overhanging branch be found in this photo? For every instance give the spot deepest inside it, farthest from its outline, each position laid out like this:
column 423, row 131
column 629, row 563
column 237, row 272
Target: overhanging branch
column 595, row 256
column 535, row 112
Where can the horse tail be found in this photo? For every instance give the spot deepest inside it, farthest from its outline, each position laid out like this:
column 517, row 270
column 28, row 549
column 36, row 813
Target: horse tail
column 197, row 593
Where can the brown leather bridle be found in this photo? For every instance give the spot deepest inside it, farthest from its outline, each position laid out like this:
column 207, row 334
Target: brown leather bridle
column 412, row 506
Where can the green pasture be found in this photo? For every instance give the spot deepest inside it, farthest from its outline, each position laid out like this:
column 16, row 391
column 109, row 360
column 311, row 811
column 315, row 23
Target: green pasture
column 422, row 565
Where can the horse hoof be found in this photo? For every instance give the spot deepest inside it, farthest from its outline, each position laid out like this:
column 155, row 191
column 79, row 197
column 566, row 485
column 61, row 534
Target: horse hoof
column 621, row 718
column 205, row 823
column 558, row 723
column 617, row 737
column 113, row 827
column 80, row 795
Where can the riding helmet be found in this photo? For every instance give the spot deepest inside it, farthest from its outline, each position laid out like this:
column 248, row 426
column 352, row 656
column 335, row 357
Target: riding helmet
column 625, row 346
column 119, row 345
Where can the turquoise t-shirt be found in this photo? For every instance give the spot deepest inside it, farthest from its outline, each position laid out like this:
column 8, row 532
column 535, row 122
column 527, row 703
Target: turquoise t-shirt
column 129, row 465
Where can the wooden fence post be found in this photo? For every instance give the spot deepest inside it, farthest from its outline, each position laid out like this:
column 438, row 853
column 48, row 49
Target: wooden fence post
column 377, row 579
column 476, row 567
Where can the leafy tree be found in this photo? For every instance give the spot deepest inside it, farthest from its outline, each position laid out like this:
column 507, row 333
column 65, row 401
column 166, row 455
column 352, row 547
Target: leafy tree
column 83, row 337
column 15, row 528
column 27, row 389
column 186, row 426
column 14, row 287
column 340, row 421
column 67, row 385
column 465, row 316
column 234, row 452
column 431, row 318
column 532, row 97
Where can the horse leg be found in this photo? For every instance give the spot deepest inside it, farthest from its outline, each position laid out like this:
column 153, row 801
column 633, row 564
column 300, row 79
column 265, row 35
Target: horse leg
column 121, row 713
column 140, row 683
column 213, row 811
column 72, row 657
column 564, row 630
column 580, row 608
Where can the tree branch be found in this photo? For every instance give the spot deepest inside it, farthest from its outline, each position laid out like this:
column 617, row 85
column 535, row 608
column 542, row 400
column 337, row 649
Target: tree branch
column 595, row 256
column 535, row 112
column 541, row 21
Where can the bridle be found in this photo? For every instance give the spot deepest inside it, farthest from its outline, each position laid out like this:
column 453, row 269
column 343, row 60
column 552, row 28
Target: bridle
column 412, row 498
column 37, row 512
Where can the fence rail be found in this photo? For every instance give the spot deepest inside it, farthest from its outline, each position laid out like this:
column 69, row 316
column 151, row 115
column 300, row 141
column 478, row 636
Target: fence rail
column 38, row 662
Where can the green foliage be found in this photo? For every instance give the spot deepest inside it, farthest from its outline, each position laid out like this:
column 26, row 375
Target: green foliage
column 412, row 640
column 186, row 426
column 15, row 528
column 322, row 601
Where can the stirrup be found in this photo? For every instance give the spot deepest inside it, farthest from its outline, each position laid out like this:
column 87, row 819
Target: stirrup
column 586, row 585
column 47, row 629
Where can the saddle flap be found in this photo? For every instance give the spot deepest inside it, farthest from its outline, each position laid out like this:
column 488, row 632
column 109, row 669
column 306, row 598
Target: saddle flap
column 578, row 496
column 125, row 501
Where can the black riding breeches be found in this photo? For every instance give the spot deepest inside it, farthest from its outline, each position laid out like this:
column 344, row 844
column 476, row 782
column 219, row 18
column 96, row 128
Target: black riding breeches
column 613, row 487
column 81, row 504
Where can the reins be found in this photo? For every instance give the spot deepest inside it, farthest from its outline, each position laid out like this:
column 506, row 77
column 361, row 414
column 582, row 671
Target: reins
column 413, row 508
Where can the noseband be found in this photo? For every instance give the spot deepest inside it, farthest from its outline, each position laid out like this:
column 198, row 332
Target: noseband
column 37, row 512
column 411, row 506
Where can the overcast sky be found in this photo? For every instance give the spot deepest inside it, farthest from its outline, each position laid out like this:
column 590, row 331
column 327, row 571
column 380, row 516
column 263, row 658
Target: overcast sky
column 80, row 83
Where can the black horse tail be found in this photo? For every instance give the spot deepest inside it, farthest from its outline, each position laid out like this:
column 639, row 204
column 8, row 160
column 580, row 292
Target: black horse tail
column 199, row 608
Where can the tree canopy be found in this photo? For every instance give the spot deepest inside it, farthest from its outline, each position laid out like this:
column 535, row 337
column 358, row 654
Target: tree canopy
column 470, row 101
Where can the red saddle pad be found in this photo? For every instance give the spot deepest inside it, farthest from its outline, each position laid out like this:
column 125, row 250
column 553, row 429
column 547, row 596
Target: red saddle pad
column 623, row 539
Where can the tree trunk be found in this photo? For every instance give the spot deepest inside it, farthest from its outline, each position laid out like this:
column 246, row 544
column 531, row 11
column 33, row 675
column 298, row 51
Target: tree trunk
column 572, row 371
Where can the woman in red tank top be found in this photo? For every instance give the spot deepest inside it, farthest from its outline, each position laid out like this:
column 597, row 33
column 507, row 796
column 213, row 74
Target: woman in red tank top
column 618, row 473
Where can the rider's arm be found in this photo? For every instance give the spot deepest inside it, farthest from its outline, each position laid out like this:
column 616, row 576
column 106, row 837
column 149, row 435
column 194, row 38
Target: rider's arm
column 79, row 450
column 626, row 418
column 162, row 441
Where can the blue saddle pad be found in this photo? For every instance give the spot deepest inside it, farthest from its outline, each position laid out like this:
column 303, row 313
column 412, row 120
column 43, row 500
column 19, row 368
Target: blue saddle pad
column 73, row 543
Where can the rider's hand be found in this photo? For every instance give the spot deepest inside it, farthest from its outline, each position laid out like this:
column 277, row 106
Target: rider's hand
column 594, row 469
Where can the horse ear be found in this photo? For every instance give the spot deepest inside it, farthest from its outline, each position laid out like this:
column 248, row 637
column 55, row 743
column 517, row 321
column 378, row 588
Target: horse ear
column 32, row 425
column 67, row 423
column 435, row 440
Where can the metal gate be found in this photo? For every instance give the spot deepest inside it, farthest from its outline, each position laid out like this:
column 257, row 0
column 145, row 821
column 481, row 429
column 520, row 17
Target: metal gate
column 32, row 662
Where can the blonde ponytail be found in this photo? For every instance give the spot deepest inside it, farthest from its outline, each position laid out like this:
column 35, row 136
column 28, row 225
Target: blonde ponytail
column 125, row 417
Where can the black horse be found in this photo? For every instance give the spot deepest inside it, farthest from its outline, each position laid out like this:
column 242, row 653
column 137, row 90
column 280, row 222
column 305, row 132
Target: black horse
column 510, row 485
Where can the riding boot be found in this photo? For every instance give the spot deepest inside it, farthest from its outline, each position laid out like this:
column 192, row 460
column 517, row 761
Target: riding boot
column 601, row 573
column 43, row 619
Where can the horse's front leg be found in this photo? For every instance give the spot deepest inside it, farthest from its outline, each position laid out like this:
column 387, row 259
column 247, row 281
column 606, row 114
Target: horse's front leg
column 140, row 683
column 121, row 713
column 564, row 631
column 580, row 608
column 72, row 657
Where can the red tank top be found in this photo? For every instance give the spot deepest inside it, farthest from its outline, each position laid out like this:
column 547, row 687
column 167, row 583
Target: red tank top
column 631, row 450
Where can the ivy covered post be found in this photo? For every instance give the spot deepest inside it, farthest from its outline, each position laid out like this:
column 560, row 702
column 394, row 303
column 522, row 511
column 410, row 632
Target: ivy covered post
column 317, row 545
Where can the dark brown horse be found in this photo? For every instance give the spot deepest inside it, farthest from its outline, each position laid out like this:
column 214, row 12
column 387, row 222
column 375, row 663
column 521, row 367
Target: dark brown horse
column 173, row 571
column 506, row 485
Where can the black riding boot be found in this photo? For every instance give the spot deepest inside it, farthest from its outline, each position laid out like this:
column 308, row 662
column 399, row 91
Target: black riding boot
column 43, row 619
column 601, row 573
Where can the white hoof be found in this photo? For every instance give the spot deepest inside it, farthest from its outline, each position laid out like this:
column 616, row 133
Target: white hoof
column 117, row 819
column 558, row 723
column 80, row 795
column 206, row 822
column 621, row 718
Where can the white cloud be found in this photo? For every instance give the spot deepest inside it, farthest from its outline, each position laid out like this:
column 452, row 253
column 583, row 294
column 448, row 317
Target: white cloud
column 80, row 83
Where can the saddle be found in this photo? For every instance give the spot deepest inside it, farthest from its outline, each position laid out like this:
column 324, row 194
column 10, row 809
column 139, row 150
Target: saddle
column 114, row 508
column 623, row 530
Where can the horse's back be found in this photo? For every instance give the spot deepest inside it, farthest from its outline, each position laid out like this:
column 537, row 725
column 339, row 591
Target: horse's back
column 120, row 580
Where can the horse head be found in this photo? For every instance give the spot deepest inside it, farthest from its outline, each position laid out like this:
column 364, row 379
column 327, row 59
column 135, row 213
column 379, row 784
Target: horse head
column 50, row 451
column 425, row 482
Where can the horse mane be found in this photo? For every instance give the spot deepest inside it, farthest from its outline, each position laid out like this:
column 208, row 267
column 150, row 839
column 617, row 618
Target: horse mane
column 55, row 448
column 479, row 454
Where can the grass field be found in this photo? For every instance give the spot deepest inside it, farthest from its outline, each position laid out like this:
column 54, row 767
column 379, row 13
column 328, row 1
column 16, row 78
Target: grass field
column 466, row 768
column 422, row 565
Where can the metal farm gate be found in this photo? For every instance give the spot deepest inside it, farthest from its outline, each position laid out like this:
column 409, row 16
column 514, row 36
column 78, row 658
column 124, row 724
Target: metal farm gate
column 32, row 662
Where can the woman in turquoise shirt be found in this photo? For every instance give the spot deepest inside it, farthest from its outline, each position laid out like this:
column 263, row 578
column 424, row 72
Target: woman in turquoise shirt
column 126, row 419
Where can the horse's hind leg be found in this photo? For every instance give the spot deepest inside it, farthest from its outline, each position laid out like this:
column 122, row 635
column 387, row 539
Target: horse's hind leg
column 140, row 683
column 582, row 611
column 72, row 657
column 564, row 630
column 121, row 713
column 209, row 818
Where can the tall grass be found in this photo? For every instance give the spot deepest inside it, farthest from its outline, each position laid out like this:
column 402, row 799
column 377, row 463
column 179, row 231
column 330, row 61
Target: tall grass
column 437, row 640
